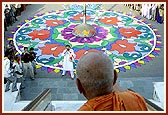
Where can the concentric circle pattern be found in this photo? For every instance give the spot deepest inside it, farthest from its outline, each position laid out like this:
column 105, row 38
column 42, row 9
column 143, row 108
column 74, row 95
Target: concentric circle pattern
column 127, row 40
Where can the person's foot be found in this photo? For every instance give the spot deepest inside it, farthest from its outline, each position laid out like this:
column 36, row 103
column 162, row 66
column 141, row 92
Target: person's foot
column 22, row 87
column 14, row 90
column 35, row 73
column 62, row 75
column 72, row 78
column 7, row 90
column 32, row 78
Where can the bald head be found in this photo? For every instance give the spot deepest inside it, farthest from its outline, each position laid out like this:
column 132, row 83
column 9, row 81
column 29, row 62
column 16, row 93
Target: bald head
column 95, row 72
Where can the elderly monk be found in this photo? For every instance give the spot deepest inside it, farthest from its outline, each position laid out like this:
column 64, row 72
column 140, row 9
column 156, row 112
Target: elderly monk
column 96, row 81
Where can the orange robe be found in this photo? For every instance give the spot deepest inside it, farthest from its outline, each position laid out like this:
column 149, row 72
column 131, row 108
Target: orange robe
column 116, row 101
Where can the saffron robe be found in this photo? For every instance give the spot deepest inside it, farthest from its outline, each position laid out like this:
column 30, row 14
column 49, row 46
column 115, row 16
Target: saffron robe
column 116, row 101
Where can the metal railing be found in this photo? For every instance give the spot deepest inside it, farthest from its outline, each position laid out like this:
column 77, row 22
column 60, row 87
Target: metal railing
column 150, row 105
column 40, row 103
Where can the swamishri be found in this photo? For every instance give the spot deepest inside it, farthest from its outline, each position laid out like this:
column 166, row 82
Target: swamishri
column 97, row 82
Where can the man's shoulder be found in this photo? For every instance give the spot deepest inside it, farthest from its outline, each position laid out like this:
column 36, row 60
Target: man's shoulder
column 129, row 94
column 130, row 98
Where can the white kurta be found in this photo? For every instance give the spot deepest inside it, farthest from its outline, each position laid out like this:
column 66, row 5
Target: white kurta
column 149, row 14
column 67, row 63
column 7, row 69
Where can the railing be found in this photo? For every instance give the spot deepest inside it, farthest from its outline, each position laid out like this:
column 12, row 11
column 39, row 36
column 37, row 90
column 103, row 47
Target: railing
column 151, row 106
column 40, row 103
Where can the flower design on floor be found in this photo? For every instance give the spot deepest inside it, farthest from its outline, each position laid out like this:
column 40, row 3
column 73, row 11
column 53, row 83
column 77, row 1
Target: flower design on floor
column 123, row 46
column 127, row 40
column 54, row 22
column 129, row 32
column 79, row 17
column 54, row 49
column 41, row 34
column 109, row 21
column 101, row 34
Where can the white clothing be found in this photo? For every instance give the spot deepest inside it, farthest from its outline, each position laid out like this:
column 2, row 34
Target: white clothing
column 18, row 5
column 144, row 10
column 17, row 67
column 28, row 67
column 7, row 69
column 154, row 6
column 67, row 63
column 149, row 11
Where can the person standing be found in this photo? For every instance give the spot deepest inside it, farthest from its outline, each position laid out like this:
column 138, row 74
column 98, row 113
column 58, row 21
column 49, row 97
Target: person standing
column 32, row 59
column 8, row 15
column 27, row 65
column 69, row 57
column 11, row 49
column 154, row 6
column 18, row 70
column 8, row 74
column 18, row 9
column 159, row 13
column 149, row 11
column 13, row 11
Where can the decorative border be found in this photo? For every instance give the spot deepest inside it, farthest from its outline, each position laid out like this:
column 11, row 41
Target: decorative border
column 136, row 64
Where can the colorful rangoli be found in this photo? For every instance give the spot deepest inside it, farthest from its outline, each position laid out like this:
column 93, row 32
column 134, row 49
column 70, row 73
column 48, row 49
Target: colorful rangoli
column 126, row 39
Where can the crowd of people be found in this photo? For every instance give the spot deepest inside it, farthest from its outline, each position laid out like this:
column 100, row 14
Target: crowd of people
column 11, row 11
column 17, row 67
column 154, row 12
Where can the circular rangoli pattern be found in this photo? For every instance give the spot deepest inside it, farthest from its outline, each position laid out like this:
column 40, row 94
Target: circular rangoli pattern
column 127, row 40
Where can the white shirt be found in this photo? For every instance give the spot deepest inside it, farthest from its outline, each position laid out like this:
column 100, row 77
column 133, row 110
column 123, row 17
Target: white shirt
column 67, row 63
column 7, row 69
column 17, row 67
column 154, row 6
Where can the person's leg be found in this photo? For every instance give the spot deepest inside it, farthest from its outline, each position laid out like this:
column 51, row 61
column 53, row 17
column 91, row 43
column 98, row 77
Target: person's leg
column 31, row 70
column 7, row 85
column 15, row 16
column 24, row 70
column 14, row 85
column 8, row 21
column 34, row 66
column 5, row 25
column 22, row 86
column 63, row 73
column 5, row 80
column 154, row 14
column 72, row 74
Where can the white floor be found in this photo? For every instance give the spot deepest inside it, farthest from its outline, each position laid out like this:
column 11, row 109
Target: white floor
column 67, row 105
column 9, row 98
column 11, row 104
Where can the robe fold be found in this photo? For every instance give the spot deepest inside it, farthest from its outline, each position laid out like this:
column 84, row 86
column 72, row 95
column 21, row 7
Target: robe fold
column 116, row 101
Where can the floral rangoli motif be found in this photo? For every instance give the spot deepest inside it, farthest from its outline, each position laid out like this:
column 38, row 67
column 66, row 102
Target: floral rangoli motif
column 127, row 40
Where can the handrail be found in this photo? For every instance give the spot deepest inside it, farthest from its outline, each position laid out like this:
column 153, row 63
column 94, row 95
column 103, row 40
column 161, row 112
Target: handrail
column 153, row 106
column 37, row 100
column 150, row 104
